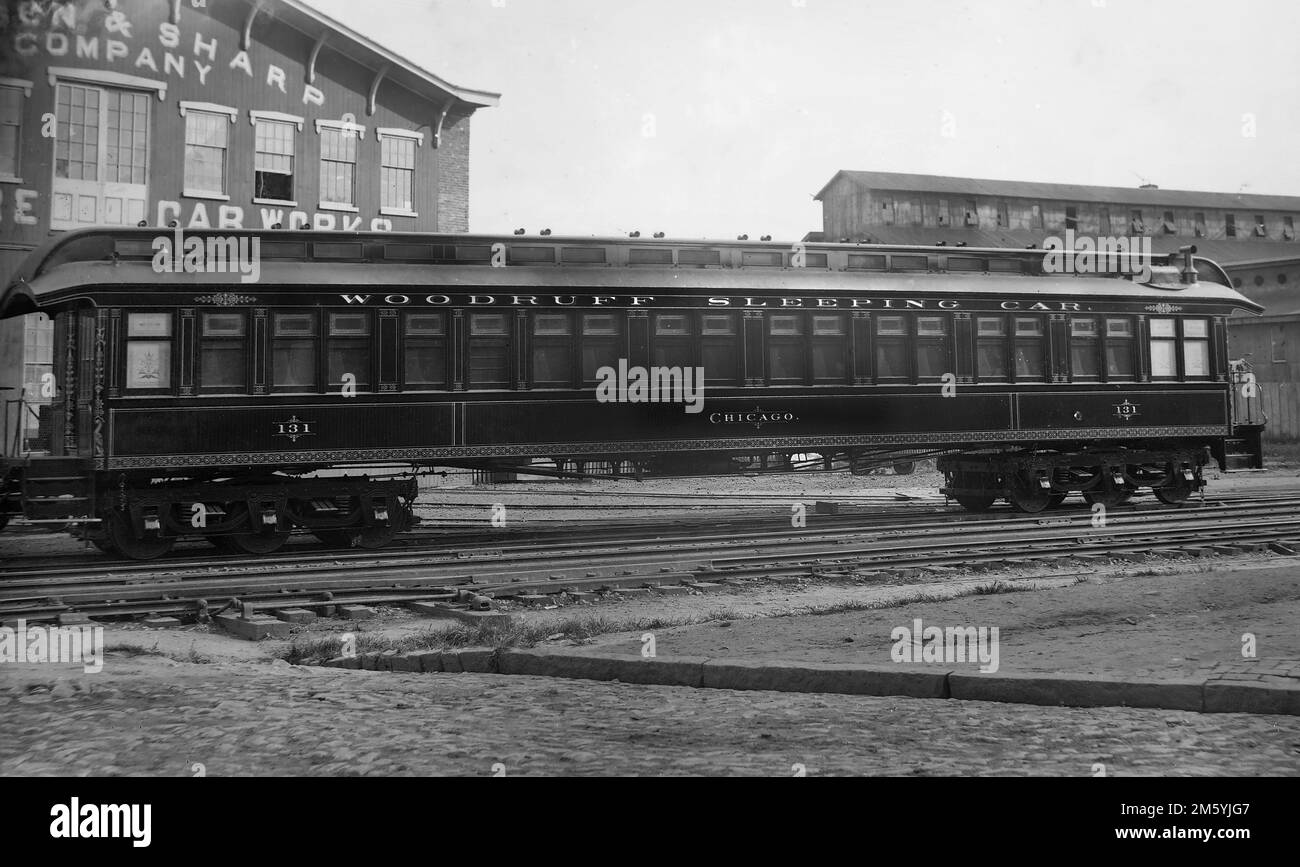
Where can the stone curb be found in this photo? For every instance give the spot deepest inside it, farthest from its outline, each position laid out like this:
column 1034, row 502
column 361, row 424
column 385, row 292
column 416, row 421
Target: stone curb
column 1061, row 690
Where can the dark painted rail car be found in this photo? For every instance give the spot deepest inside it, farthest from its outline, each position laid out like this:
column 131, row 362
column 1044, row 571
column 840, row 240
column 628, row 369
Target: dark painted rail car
column 208, row 402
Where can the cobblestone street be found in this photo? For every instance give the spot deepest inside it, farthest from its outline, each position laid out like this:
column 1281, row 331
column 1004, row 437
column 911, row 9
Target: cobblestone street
column 157, row 717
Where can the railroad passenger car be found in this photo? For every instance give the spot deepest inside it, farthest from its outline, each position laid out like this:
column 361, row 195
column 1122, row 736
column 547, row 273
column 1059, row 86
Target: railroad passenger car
column 204, row 402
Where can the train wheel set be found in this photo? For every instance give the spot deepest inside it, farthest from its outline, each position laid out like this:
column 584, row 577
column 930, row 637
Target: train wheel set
column 250, row 516
column 1033, row 481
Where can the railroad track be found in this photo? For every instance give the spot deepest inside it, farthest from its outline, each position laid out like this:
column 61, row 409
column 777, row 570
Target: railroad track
column 544, row 565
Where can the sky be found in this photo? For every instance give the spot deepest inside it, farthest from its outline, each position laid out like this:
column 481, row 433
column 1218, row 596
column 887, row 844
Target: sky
column 713, row 118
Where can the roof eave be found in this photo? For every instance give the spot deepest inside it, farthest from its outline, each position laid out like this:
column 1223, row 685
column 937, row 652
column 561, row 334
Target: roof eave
column 469, row 96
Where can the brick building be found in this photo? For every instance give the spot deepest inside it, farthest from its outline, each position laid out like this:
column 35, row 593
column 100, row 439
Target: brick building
column 222, row 113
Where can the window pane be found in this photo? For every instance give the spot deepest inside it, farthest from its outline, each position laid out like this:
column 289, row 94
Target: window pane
column 784, row 325
column 1083, row 359
column 433, row 324
column 1162, row 358
column 787, row 360
column 721, row 361
column 295, row 324
column 1119, row 327
column 488, row 324
column 932, row 359
column 597, row 354
column 349, row 324
column 148, row 364
column 224, row 325
column 828, row 360
column 1029, row 327
column 599, row 324
column 1119, row 360
column 426, row 362
column 349, row 356
column 721, row 325
column 553, row 363
column 1083, row 327
column 891, row 325
column 552, row 323
column 992, row 360
column 992, row 327
column 1196, row 358
column 222, row 365
column 673, row 353
column 149, row 325
column 1195, row 328
column 1029, row 360
column 1162, row 328
column 931, row 326
column 293, row 364
column 891, row 360
column 674, row 324
column 828, row 326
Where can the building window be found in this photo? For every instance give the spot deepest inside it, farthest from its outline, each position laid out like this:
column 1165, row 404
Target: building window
column 1119, row 349
column 1168, row 225
column 672, row 341
column 149, row 351
column 1278, row 341
column 397, row 174
column 943, row 213
column 1259, row 280
column 1004, row 216
column 223, row 344
column 891, row 348
column 1281, row 279
column 425, row 351
column 1036, row 216
column 1288, row 229
column 1164, row 345
column 206, row 143
column 1200, row 224
column 1029, row 349
column 338, row 166
column 1196, row 348
column 1230, row 225
column 349, row 350
column 11, row 130
column 720, row 348
column 785, row 348
column 273, row 168
column 829, row 347
column 1103, row 221
column 1261, row 228
column 489, row 350
column 972, row 213
column 1136, row 225
column 991, row 348
column 932, row 347
column 1072, row 218
column 101, row 156
column 293, row 352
